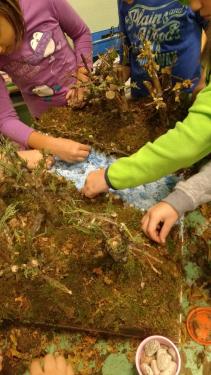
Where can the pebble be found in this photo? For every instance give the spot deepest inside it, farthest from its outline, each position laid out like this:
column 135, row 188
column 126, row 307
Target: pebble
column 145, row 359
column 158, row 359
column 163, row 360
column 151, row 347
column 146, row 370
column 154, row 367
column 173, row 354
column 171, row 370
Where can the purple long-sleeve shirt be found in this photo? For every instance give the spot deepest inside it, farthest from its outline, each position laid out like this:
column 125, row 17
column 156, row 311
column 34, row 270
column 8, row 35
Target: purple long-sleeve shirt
column 43, row 66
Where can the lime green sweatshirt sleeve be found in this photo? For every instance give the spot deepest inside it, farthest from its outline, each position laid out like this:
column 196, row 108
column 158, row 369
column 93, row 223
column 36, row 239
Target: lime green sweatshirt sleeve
column 180, row 147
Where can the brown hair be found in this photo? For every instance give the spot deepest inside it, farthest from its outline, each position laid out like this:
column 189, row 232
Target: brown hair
column 10, row 9
column 206, row 54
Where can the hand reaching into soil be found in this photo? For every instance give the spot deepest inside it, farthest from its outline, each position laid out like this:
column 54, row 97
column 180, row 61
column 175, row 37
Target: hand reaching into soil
column 158, row 221
column 66, row 149
column 75, row 96
column 51, row 366
column 70, row 151
column 33, row 158
column 95, row 184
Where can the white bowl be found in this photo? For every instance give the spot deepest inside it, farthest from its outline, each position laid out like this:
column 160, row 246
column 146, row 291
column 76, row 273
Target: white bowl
column 162, row 340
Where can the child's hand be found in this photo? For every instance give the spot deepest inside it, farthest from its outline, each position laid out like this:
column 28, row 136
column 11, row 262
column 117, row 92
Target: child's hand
column 70, row 151
column 158, row 221
column 33, row 157
column 52, row 366
column 95, row 184
column 75, row 96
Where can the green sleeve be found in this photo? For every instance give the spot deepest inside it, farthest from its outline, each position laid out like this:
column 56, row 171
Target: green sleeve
column 180, row 147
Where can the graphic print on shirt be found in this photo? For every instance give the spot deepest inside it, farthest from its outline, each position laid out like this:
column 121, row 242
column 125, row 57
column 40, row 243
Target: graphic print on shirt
column 161, row 24
column 44, row 46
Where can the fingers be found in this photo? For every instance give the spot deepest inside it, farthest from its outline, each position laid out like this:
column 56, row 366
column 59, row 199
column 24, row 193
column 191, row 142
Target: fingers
column 80, row 95
column 167, row 225
column 85, row 147
column 71, row 94
column 50, row 162
column 88, row 193
column 61, row 365
column 153, row 229
column 70, row 370
column 52, row 366
column 35, row 368
column 158, row 221
column 49, row 364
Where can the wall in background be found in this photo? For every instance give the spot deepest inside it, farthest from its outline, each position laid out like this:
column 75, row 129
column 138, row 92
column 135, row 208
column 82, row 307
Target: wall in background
column 98, row 14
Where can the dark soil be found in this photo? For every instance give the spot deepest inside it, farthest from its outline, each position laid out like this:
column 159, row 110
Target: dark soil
column 53, row 242
column 107, row 129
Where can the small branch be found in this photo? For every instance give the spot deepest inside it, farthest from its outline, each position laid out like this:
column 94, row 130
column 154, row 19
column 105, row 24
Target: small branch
column 153, row 267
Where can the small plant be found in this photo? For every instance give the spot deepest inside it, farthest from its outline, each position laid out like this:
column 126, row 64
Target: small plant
column 164, row 93
column 104, row 83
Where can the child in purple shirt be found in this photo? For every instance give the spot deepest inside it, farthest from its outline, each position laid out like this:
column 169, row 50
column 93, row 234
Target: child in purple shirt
column 35, row 53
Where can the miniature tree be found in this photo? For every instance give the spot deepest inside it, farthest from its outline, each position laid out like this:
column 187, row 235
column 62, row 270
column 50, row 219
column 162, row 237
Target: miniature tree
column 104, row 83
column 160, row 85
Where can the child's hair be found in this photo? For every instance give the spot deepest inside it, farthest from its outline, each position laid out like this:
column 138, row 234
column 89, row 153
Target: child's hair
column 206, row 55
column 10, row 9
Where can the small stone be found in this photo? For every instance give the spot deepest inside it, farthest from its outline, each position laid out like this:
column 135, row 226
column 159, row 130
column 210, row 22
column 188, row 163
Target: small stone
column 151, row 347
column 34, row 263
column 165, row 347
column 163, row 360
column 154, row 367
column 171, row 370
column 173, row 354
column 145, row 359
column 146, row 370
column 14, row 268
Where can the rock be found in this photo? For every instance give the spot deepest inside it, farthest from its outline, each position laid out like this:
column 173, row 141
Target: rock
column 151, row 347
column 163, row 346
column 171, row 370
column 163, row 360
column 145, row 359
column 154, row 367
column 146, row 370
column 173, row 354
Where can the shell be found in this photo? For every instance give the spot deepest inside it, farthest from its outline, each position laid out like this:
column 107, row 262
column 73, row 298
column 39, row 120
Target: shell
column 163, row 360
column 154, row 367
column 171, row 370
column 146, row 370
column 151, row 347
column 173, row 354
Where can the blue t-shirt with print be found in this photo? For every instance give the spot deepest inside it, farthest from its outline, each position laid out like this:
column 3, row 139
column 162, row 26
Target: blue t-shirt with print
column 174, row 31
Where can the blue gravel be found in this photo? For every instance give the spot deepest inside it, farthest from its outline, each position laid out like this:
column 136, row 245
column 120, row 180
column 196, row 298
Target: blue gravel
column 141, row 197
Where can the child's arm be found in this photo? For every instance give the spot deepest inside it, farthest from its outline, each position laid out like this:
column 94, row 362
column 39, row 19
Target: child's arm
column 75, row 28
column 16, row 130
column 193, row 192
column 179, row 148
column 10, row 125
column 186, row 196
